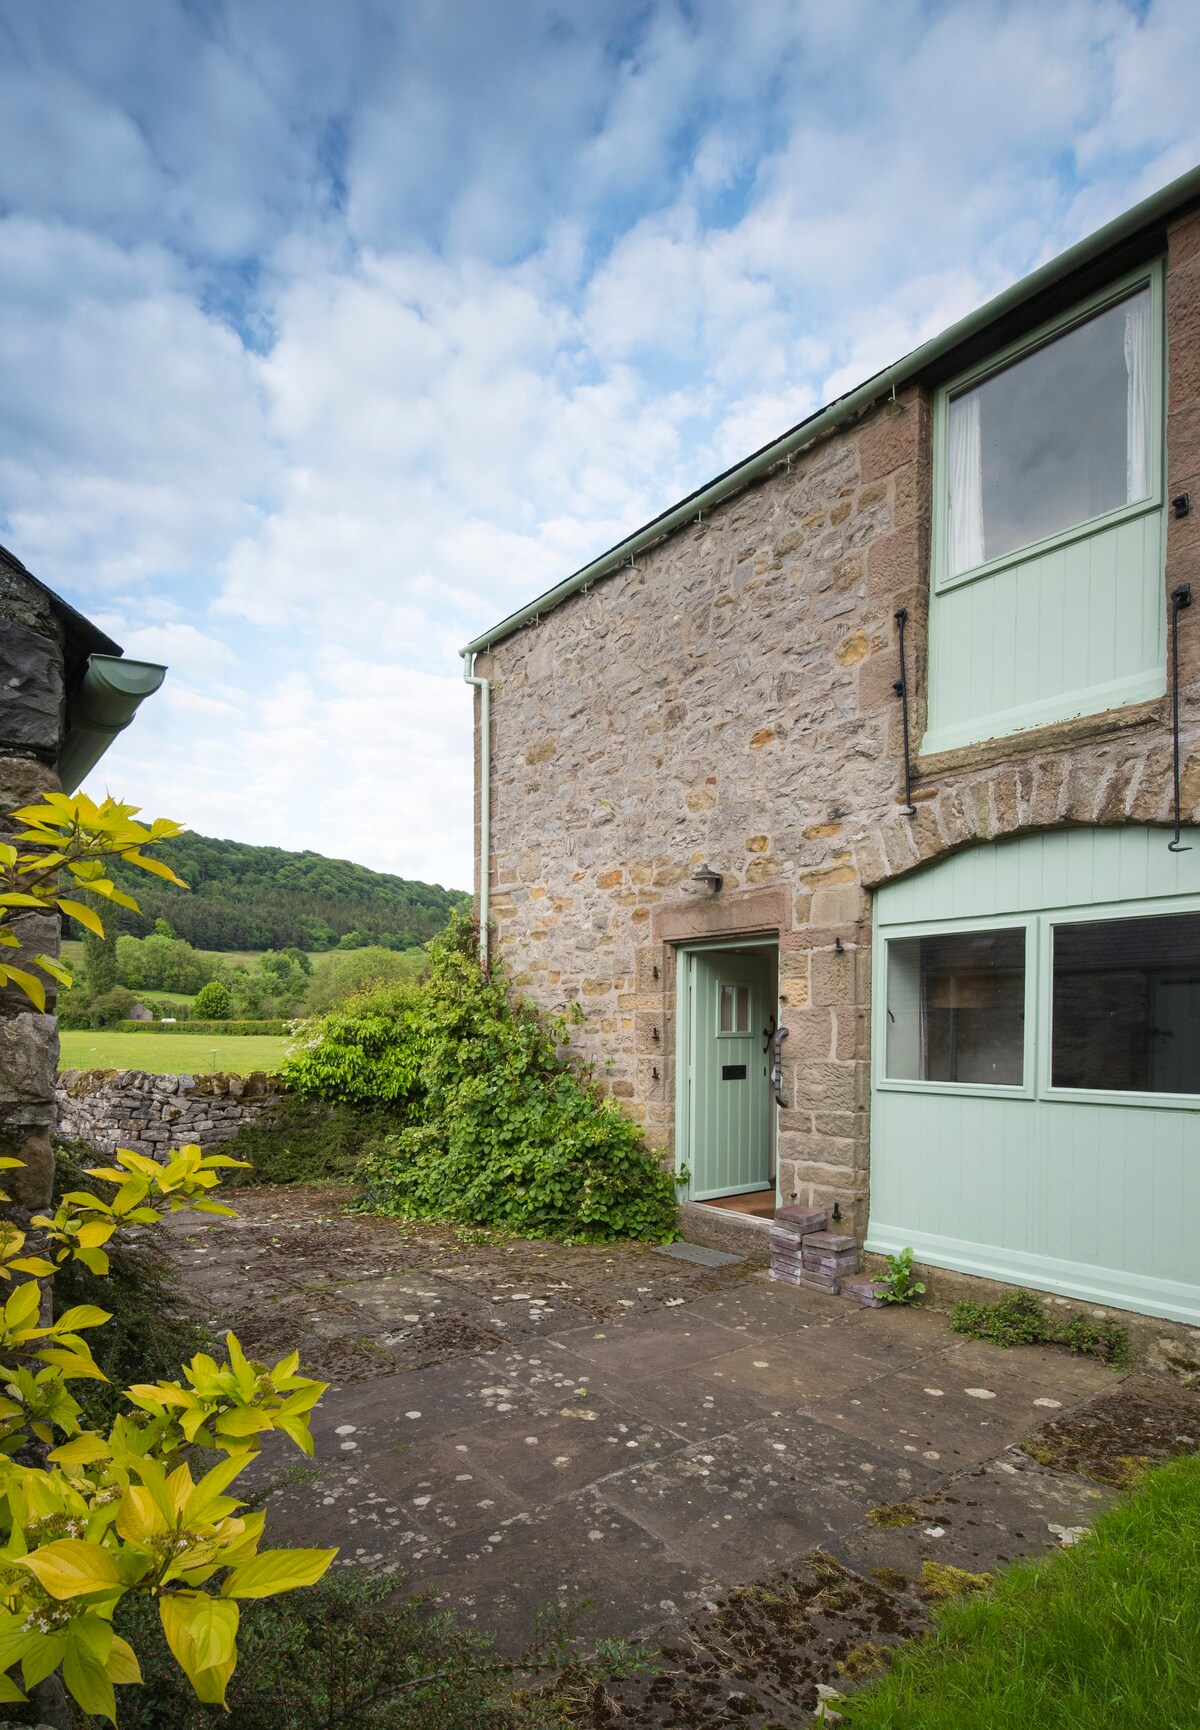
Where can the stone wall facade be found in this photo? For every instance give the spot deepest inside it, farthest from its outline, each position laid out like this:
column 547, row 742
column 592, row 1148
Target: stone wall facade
column 729, row 699
column 111, row 1108
column 32, row 720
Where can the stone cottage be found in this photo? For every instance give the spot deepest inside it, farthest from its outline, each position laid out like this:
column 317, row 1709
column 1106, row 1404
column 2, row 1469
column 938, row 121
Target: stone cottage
column 854, row 797
column 65, row 693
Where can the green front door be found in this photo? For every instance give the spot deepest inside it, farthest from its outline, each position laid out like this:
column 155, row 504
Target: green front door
column 727, row 1020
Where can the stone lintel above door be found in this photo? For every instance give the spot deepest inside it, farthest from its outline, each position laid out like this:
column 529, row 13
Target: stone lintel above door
column 729, row 913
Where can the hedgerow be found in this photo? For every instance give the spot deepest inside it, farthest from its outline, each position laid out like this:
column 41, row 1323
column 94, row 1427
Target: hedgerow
column 493, row 1125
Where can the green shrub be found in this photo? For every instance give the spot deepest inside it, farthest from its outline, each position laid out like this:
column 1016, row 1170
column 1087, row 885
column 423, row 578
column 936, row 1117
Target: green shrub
column 304, row 1141
column 1022, row 1319
column 352, row 1653
column 212, row 1002
column 492, row 1125
column 110, row 1007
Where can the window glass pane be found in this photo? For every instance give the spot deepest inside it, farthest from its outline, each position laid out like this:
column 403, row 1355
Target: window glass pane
column 743, row 1009
column 956, row 1007
column 726, row 1014
column 1127, row 1005
column 1059, row 437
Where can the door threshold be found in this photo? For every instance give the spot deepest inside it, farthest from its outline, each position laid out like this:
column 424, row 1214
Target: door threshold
column 760, row 1203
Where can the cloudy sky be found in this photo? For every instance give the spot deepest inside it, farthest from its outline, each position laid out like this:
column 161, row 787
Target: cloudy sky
column 333, row 330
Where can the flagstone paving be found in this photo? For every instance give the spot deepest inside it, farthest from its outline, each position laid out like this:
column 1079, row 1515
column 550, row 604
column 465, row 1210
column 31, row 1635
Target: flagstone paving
column 677, row 1444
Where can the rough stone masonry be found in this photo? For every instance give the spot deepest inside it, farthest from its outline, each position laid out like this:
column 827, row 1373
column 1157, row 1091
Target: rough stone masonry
column 730, row 699
column 111, row 1108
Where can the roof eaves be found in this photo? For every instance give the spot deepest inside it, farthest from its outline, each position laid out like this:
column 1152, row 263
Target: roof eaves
column 83, row 638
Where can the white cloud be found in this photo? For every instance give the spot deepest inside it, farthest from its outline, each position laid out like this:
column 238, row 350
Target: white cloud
column 330, row 337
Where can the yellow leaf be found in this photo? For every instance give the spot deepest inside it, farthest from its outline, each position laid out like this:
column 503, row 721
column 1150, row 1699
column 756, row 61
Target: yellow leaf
column 81, row 1451
column 54, row 968
column 71, row 1568
column 86, row 916
column 22, row 1307
column 276, row 1571
column 29, row 983
column 139, row 1518
column 81, row 1316
column 155, row 866
column 122, row 1665
column 93, row 1233
column 72, row 1366
column 202, row 1633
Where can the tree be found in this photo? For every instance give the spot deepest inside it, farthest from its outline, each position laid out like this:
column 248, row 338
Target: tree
column 212, row 1002
column 100, row 967
column 163, row 929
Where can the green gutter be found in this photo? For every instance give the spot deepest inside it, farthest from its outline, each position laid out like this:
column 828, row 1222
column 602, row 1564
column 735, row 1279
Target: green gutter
column 1170, row 201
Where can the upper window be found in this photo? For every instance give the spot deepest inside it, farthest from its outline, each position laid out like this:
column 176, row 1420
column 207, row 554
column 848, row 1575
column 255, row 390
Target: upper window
column 1060, row 436
column 1048, row 600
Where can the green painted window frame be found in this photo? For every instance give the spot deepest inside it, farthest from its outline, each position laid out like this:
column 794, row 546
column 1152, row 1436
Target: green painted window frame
column 1148, row 276
column 942, row 927
column 1039, row 1004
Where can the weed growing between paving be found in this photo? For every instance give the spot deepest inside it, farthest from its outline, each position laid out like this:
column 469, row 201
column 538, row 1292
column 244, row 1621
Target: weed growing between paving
column 898, row 1285
column 354, row 1654
column 1102, row 1634
column 493, row 1127
column 1023, row 1319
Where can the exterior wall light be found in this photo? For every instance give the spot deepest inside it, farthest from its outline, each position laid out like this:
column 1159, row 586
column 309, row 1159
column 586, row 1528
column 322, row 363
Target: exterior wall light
column 706, row 874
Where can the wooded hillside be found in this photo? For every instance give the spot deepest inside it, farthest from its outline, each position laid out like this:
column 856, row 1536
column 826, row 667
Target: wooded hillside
column 243, row 897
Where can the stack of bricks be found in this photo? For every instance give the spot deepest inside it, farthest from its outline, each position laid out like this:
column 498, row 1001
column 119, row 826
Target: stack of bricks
column 803, row 1253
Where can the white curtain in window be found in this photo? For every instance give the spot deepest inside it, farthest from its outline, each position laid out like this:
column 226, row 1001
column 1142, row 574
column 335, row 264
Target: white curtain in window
column 1137, row 401
column 966, row 484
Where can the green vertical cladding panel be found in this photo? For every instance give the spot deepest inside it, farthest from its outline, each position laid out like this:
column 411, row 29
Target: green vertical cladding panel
column 1073, row 630
column 1094, row 1196
column 729, row 1118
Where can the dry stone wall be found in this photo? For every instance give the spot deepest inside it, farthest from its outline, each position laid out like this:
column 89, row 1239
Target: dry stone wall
column 729, row 700
column 107, row 1109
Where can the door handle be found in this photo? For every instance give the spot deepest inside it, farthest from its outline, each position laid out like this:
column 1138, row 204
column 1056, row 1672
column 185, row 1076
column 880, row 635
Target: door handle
column 768, row 1035
column 781, row 1034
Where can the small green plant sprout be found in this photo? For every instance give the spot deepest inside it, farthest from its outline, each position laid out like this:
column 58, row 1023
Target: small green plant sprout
column 898, row 1285
column 105, row 1515
column 73, row 835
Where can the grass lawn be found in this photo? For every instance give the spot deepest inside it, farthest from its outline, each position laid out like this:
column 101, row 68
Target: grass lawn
column 1104, row 1634
column 171, row 1053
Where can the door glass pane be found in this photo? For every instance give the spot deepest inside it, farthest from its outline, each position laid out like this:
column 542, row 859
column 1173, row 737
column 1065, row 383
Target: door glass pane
column 956, row 1007
column 1059, row 437
column 1127, row 1005
column 734, row 1009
